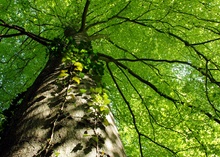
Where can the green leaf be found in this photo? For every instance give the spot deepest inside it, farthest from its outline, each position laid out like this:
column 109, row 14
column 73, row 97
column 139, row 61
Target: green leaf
column 83, row 91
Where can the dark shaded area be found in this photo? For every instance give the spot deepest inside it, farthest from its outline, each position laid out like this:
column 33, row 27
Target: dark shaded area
column 77, row 147
column 9, row 113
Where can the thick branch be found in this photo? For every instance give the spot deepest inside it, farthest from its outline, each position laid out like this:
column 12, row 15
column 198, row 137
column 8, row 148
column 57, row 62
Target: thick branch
column 201, row 70
column 84, row 16
column 152, row 86
column 22, row 31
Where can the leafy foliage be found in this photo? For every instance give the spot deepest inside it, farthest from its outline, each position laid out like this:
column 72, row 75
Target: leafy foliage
column 161, row 64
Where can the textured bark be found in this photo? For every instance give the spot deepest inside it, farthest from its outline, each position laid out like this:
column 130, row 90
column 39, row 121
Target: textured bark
column 54, row 120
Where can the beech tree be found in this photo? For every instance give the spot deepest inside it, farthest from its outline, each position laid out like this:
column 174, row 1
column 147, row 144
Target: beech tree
column 71, row 71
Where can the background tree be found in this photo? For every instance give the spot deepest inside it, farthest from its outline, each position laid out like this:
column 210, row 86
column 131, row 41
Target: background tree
column 161, row 65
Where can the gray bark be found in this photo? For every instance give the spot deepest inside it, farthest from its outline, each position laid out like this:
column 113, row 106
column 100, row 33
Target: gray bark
column 55, row 120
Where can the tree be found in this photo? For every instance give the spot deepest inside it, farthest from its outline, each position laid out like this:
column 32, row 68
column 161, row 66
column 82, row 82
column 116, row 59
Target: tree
column 158, row 60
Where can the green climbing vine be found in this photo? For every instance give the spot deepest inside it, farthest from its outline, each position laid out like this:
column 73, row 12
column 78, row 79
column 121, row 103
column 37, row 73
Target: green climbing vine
column 99, row 104
column 77, row 63
column 83, row 59
column 97, row 112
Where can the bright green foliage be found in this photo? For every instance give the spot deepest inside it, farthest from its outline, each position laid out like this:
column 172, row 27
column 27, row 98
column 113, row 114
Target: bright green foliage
column 99, row 104
column 162, row 66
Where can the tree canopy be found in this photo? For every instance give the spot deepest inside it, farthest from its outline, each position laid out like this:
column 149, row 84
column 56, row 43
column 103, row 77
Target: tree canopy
column 162, row 65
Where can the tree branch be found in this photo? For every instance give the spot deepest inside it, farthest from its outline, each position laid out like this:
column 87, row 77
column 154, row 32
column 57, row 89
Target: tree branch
column 84, row 16
column 22, row 31
column 129, row 107
column 152, row 86
column 134, row 119
column 110, row 18
column 109, row 59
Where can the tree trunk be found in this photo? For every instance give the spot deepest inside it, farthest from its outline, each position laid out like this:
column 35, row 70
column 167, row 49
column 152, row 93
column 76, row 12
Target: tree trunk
column 57, row 118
